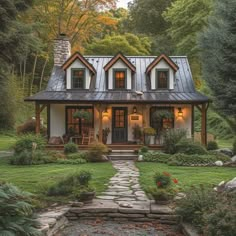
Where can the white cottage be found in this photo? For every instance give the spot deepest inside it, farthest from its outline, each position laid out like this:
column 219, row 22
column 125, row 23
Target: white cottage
column 120, row 93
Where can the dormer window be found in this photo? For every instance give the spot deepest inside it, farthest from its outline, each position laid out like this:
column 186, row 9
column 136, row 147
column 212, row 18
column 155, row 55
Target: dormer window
column 162, row 79
column 119, row 78
column 78, row 78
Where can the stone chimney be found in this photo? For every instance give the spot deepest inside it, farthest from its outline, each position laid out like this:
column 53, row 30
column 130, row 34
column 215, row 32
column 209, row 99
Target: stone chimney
column 62, row 49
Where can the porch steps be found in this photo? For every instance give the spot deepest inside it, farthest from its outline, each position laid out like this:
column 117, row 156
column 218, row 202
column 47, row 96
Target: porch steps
column 122, row 155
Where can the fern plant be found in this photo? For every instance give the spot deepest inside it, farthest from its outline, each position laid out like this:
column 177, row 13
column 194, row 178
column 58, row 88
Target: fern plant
column 16, row 213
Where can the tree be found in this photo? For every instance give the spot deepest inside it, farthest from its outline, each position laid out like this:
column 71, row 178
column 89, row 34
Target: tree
column 218, row 47
column 129, row 44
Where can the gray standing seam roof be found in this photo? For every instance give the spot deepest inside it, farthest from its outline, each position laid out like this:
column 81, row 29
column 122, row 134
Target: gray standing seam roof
column 183, row 92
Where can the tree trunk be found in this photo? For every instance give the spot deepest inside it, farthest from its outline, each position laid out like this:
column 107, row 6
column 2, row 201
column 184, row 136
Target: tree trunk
column 42, row 73
column 33, row 73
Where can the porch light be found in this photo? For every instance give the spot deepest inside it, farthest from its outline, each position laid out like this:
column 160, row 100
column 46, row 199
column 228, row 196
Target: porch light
column 180, row 112
column 105, row 113
column 134, row 110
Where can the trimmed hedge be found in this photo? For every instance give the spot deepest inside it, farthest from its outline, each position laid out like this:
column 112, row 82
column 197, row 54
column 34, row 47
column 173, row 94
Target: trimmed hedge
column 156, row 157
column 189, row 147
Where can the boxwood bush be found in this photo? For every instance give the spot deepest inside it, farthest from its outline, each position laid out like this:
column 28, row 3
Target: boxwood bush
column 212, row 145
column 70, row 148
column 187, row 146
column 156, row 157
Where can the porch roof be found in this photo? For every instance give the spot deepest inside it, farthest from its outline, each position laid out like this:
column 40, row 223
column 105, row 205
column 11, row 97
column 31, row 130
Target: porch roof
column 117, row 97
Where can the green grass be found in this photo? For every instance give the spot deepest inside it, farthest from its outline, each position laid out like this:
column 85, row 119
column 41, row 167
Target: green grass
column 6, row 142
column 187, row 176
column 37, row 178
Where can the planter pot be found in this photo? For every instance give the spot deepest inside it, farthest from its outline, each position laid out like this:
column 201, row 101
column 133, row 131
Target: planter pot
column 87, row 197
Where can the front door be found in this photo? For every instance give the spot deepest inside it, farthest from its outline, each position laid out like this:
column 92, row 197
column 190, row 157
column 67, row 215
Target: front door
column 119, row 124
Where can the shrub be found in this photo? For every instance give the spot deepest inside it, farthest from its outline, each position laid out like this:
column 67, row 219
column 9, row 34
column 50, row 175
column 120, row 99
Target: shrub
column 162, row 180
column 156, row 157
column 171, row 138
column 96, row 152
column 17, row 217
column 29, row 127
column 219, row 156
column 221, row 220
column 70, row 148
column 197, row 201
column 72, row 161
column 79, row 155
column 144, row 149
column 25, row 142
column 234, row 146
column 84, row 177
column 212, row 145
column 187, row 146
column 22, row 158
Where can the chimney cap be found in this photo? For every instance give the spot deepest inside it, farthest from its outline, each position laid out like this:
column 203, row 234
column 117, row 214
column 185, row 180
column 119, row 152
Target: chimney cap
column 62, row 36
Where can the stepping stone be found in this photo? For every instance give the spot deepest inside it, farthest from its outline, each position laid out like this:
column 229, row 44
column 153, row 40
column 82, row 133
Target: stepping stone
column 106, row 197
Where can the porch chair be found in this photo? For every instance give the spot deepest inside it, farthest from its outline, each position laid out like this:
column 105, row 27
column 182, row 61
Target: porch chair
column 88, row 137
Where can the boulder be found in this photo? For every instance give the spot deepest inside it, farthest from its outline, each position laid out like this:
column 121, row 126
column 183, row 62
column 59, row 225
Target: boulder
column 233, row 159
column 231, row 184
column 140, row 158
column 219, row 163
column 55, row 141
column 225, row 151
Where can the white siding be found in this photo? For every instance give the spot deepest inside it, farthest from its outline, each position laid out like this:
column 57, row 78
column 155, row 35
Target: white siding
column 119, row 65
column 162, row 65
column 57, row 120
column 77, row 65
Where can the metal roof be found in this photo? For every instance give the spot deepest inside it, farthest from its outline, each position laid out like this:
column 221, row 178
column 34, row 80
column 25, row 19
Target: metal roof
column 184, row 90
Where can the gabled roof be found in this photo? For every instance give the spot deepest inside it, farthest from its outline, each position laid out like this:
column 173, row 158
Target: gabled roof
column 116, row 58
column 75, row 56
column 158, row 59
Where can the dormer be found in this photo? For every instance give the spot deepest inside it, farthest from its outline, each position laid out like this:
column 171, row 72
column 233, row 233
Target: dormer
column 79, row 72
column 119, row 73
column 161, row 73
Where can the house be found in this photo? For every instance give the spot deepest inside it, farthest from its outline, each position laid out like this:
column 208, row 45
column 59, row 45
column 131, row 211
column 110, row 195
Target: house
column 119, row 92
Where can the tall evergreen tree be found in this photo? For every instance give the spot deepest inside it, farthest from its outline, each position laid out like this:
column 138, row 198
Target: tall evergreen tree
column 218, row 54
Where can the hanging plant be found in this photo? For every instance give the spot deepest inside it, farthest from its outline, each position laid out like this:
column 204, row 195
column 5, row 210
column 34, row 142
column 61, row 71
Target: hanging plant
column 162, row 114
column 85, row 115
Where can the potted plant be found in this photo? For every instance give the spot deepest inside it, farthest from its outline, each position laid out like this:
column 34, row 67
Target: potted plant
column 137, row 133
column 148, row 133
column 105, row 133
column 83, row 115
column 163, row 192
column 84, row 192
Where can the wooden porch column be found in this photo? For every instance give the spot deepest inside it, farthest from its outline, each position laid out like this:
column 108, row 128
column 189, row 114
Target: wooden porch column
column 37, row 118
column 100, row 124
column 192, row 128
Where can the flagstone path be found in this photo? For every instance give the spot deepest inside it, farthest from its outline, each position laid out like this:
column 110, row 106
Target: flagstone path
column 124, row 187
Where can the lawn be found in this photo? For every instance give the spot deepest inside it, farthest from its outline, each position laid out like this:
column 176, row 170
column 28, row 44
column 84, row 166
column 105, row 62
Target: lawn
column 37, row 178
column 6, row 142
column 186, row 176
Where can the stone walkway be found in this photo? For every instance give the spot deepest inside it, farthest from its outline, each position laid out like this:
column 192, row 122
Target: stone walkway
column 124, row 187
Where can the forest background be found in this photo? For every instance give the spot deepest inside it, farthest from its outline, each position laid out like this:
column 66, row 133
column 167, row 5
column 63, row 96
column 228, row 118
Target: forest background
column 203, row 30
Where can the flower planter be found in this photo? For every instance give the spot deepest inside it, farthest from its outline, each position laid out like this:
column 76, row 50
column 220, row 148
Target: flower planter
column 87, row 197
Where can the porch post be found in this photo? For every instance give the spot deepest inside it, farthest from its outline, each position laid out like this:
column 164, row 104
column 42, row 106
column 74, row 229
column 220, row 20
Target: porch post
column 37, row 118
column 204, row 124
column 100, row 124
column 192, row 128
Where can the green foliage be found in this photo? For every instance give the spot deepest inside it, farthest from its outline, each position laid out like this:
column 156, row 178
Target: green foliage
column 171, row 138
column 221, row 220
column 217, row 43
column 70, row 148
column 162, row 180
column 128, row 44
column 96, row 152
column 156, row 157
column 17, row 217
column 25, row 142
column 212, row 145
column 77, row 161
column 187, row 146
column 144, row 149
column 22, row 158
column 82, row 115
column 84, row 177
column 78, row 155
column 198, row 200
column 159, row 194
column 234, row 146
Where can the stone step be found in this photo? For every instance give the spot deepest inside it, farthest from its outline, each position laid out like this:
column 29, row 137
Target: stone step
column 113, row 157
column 122, row 151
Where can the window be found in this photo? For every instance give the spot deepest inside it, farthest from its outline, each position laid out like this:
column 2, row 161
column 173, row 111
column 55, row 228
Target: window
column 78, row 125
column 161, row 118
column 78, row 78
column 162, row 79
column 119, row 79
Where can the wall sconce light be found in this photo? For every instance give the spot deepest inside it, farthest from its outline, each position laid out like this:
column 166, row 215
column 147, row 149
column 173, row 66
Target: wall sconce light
column 105, row 113
column 180, row 112
column 134, row 110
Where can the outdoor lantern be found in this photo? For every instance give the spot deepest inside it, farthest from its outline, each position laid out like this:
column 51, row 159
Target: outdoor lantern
column 180, row 112
column 134, row 110
column 105, row 113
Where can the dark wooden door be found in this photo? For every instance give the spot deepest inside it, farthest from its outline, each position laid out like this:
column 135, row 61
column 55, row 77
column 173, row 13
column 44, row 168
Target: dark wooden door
column 119, row 124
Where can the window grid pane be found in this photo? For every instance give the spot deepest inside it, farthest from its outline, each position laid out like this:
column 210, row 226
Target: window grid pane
column 78, row 78
column 120, row 79
column 162, row 79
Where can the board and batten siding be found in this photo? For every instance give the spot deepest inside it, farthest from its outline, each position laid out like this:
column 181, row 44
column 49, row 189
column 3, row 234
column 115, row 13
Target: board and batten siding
column 162, row 65
column 77, row 65
column 119, row 65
